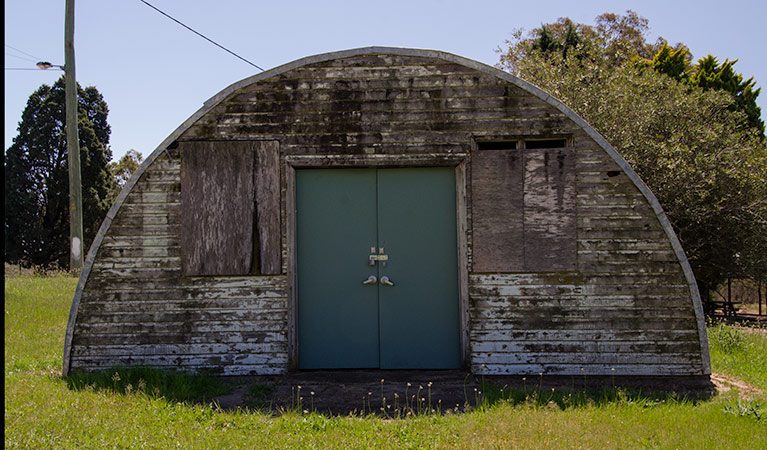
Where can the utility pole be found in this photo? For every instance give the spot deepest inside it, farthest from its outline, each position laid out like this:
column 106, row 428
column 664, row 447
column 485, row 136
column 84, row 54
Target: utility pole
column 73, row 143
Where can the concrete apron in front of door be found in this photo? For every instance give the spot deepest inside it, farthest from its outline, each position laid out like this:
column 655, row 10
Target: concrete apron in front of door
column 377, row 269
column 392, row 393
column 399, row 392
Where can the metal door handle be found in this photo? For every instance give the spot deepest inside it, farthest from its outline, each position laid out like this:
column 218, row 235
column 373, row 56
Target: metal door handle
column 385, row 280
column 371, row 280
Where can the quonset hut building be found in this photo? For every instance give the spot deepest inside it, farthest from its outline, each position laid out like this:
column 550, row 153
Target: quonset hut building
column 387, row 208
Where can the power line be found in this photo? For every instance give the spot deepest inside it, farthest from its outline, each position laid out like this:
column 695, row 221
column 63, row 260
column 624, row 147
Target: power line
column 201, row 35
column 21, row 51
column 20, row 57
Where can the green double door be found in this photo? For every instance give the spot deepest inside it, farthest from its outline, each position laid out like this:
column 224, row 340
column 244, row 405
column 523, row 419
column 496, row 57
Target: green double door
column 377, row 272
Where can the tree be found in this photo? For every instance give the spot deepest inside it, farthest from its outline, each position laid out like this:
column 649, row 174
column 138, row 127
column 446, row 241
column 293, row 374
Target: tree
column 699, row 156
column 615, row 37
column 709, row 74
column 122, row 170
column 36, row 176
column 670, row 61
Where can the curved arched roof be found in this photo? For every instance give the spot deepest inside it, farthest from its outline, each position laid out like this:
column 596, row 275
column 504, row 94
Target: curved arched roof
column 449, row 57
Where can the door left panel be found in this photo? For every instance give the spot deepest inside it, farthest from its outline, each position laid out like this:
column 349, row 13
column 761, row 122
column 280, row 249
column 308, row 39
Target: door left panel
column 337, row 320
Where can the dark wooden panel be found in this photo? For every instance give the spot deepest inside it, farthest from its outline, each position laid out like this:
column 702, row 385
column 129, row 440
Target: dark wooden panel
column 217, row 194
column 496, row 189
column 268, row 206
column 549, row 210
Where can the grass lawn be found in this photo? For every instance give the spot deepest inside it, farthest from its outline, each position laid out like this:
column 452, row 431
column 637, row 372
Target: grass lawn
column 43, row 410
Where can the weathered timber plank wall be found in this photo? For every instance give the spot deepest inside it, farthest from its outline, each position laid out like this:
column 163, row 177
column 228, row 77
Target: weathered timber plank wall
column 619, row 300
column 625, row 310
column 137, row 309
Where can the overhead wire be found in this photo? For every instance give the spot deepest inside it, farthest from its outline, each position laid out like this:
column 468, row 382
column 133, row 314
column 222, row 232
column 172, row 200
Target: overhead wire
column 35, row 60
column 200, row 34
column 22, row 51
column 20, row 57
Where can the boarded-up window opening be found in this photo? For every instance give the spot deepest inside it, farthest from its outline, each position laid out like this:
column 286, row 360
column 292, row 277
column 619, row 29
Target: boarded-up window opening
column 546, row 143
column 497, row 145
column 230, row 208
column 523, row 210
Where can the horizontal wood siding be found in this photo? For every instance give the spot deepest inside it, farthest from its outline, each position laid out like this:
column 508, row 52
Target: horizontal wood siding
column 619, row 303
column 377, row 105
column 625, row 310
column 138, row 310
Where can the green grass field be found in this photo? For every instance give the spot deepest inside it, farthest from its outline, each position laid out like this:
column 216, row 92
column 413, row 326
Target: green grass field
column 146, row 410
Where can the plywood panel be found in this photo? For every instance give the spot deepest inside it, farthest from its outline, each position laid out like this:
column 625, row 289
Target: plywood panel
column 497, row 189
column 549, row 210
column 267, row 185
column 217, row 194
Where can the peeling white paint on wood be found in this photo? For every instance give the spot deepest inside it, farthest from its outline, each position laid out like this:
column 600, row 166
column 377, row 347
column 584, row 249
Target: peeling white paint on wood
column 586, row 370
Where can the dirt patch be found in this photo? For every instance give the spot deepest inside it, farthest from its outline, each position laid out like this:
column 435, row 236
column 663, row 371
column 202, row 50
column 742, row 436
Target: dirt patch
column 725, row 383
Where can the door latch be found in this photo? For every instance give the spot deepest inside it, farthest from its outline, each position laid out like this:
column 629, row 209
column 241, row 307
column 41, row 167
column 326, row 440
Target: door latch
column 386, row 281
column 374, row 258
column 371, row 280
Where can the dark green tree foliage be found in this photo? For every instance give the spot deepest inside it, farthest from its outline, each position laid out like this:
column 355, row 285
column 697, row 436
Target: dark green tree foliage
column 546, row 42
column 699, row 156
column 570, row 40
column 709, row 74
column 37, row 178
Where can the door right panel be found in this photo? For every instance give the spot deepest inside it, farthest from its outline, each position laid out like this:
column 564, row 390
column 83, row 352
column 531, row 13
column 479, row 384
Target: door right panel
column 419, row 314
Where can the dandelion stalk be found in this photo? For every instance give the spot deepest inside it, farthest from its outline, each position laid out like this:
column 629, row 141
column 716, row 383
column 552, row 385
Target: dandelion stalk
column 407, row 399
column 383, row 399
column 429, row 386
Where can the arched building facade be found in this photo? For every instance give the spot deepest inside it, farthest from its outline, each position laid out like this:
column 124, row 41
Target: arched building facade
column 387, row 208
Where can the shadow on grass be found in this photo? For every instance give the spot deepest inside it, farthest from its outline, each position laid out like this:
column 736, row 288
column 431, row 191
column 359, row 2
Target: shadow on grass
column 564, row 398
column 169, row 384
column 258, row 397
column 177, row 386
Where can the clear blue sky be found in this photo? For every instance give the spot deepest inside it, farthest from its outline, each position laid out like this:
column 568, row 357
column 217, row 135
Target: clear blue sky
column 154, row 74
